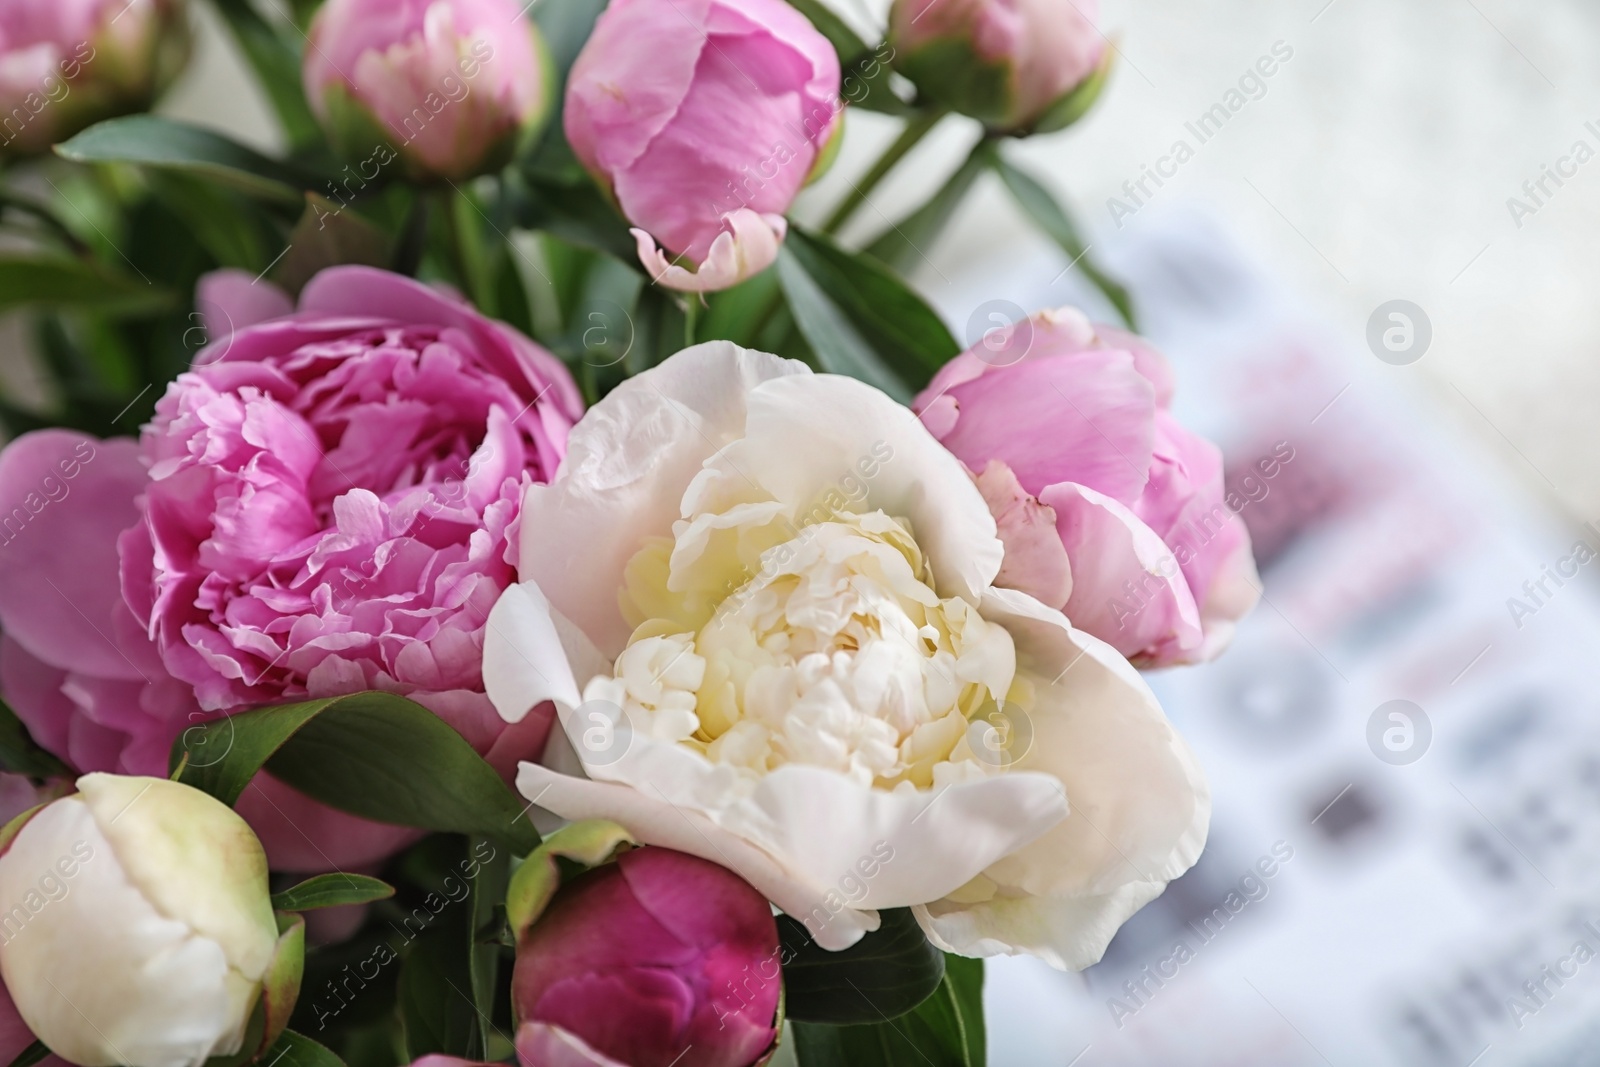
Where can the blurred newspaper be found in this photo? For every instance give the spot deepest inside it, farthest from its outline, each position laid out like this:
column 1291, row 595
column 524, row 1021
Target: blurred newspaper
column 1405, row 763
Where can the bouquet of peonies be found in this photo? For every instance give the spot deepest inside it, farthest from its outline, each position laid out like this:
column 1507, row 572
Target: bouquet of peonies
column 557, row 608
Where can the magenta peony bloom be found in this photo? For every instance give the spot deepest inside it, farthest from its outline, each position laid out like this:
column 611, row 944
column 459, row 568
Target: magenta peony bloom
column 639, row 960
column 327, row 504
column 1012, row 64
column 1109, row 509
column 65, row 64
column 450, row 86
column 704, row 118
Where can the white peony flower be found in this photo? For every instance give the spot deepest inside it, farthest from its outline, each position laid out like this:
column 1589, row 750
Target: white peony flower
column 137, row 927
column 762, row 600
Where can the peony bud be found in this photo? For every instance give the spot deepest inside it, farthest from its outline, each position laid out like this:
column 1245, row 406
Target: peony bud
column 66, row 64
column 703, row 120
column 1109, row 508
column 135, row 924
column 451, row 87
column 1016, row 65
column 639, row 960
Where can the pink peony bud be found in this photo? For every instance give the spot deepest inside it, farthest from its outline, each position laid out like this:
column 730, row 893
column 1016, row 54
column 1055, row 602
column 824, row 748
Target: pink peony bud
column 1109, row 509
column 66, row 64
column 449, row 86
column 703, row 118
column 1013, row 64
column 640, row 960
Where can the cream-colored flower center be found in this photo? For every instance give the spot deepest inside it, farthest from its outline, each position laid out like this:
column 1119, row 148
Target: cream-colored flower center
column 762, row 644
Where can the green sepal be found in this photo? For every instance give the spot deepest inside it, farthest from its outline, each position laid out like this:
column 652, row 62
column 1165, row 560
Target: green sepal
column 332, row 891
column 280, row 988
column 1077, row 101
column 9, row 832
column 590, row 843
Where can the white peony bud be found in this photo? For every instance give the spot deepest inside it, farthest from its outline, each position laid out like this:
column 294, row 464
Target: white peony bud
column 135, row 924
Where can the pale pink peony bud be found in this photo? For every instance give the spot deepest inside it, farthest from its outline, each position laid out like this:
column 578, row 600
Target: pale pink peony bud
column 66, row 64
column 1016, row 65
column 450, row 87
column 703, row 119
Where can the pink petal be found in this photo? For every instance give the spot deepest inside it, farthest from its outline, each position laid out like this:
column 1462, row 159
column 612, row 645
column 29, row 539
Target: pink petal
column 1128, row 589
column 66, row 497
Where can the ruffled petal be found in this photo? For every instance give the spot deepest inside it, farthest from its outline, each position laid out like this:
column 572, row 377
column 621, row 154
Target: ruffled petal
column 747, row 245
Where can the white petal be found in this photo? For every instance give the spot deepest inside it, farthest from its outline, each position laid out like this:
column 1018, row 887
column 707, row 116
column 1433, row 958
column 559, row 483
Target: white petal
column 653, row 820
column 531, row 653
column 1140, row 806
column 819, row 437
column 747, row 245
column 628, row 463
column 819, row 833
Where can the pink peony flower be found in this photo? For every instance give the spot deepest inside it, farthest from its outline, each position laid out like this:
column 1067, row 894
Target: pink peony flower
column 1008, row 63
column 639, row 960
column 1109, row 509
column 326, row 504
column 704, row 118
column 65, row 64
column 451, row 86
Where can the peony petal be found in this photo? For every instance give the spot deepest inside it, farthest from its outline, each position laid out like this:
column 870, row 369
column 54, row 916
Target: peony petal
column 1035, row 561
column 64, row 499
column 1085, row 417
column 543, row 1045
column 656, row 821
column 628, row 464
column 812, row 438
column 1128, row 588
column 530, row 654
column 300, row 834
column 1127, row 836
column 232, row 299
column 747, row 245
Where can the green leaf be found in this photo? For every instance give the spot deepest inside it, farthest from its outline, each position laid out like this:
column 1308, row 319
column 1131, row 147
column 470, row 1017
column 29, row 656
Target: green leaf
column 373, row 754
column 149, row 141
column 886, row 974
column 20, row 754
column 329, row 234
column 738, row 314
column 1047, row 214
column 57, row 282
column 906, row 333
column 946, row 1030
column 332, row 891
column 31, row 1055
column 489, row 883
column 274, row 55
column 297, row 1050
column 838, row 345
column 438, row 1013
column 908, row 242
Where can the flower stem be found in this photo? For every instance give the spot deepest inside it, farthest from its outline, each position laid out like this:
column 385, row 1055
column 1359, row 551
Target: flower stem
column 916, row 129
column 691, row 316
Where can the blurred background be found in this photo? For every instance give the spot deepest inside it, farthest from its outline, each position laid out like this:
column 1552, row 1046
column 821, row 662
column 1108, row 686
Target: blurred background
column 1403, row 745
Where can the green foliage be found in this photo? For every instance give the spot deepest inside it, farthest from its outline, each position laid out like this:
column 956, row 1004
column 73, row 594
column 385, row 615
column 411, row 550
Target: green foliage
column 946, row 1030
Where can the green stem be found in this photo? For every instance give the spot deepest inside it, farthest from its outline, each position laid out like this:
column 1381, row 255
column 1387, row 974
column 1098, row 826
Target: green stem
column 691, row 316
column 916, row 129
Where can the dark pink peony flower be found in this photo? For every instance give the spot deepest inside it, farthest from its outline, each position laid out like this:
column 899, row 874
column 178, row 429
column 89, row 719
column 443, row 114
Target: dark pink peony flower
column 640, row 960
column 321, row 507
column 1109, row 508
